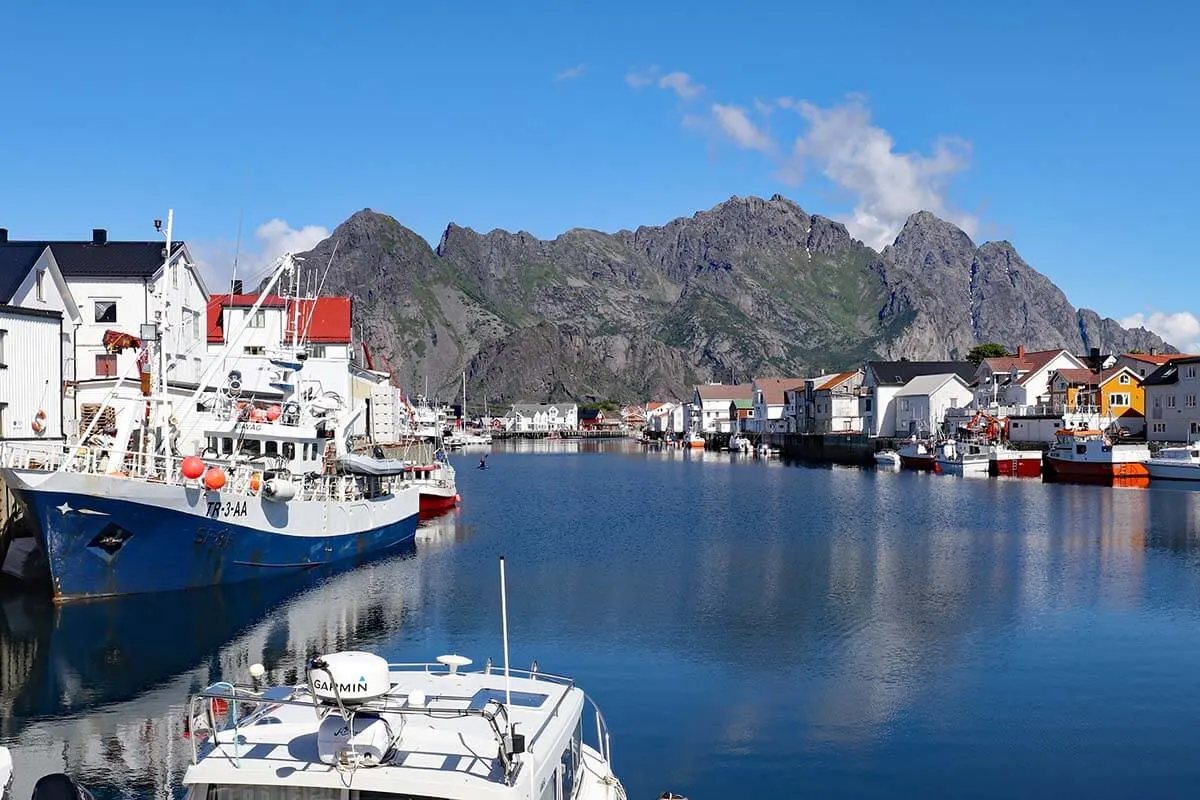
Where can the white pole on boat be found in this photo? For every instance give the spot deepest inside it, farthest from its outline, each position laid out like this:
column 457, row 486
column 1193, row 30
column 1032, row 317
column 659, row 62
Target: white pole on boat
column 504, row 627
column 163, row 321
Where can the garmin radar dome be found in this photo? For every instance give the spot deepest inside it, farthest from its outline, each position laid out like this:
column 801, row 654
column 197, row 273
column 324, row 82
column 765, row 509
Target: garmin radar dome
column 349, row 678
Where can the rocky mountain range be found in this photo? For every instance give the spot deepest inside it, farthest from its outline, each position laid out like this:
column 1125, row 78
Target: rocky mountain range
column 750, row 287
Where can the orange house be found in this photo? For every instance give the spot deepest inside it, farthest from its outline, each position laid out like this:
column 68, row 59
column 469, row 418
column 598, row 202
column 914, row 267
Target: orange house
column 1116, row 391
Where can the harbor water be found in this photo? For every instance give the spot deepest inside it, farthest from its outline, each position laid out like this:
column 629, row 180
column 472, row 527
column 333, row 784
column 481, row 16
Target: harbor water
column 749, row 627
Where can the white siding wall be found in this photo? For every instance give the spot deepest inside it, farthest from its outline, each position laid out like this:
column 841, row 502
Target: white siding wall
column 32, row 376
column 1169, row 418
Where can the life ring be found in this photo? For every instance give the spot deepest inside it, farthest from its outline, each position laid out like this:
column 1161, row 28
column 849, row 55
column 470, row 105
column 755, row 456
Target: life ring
column 39, row 422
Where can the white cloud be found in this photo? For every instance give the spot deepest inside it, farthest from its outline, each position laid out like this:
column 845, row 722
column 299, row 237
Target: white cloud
column 735, row 123
column 1181, row 328
column 571, row 73
column 860, row 158
column 681, row 83
column 640, row 78
column 272, row 239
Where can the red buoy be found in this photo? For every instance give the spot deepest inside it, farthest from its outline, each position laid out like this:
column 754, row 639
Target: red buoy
column 214, row 479
column 192, row 467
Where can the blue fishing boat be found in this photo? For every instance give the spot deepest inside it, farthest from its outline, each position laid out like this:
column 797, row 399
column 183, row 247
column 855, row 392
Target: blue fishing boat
column 126, row 513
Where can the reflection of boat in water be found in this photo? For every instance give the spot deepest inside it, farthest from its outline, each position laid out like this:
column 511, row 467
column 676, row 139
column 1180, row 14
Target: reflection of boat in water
column 83, row 674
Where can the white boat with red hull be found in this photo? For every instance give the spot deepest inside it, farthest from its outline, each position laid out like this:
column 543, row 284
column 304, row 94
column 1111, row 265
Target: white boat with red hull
column 1091, row 455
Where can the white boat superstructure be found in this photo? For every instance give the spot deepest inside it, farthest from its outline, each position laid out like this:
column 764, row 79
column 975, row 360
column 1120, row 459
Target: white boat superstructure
column 964, row 457
column 1176, row 463
column 362, row 728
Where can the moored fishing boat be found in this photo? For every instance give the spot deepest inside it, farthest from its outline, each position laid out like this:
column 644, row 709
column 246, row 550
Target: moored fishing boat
column 917, row 454
column 1091, row 455
column 1008, row 461
column 128, row 513
column 963, row 457
column 694, row 440
column 1176, row 463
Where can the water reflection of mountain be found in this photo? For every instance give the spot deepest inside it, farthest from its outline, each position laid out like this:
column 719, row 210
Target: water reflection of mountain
column 97, row 688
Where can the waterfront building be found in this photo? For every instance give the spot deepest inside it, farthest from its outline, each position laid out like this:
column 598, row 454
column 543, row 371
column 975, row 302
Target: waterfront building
column 542, row 417
column 1172, row 410
column 31, row 357
column 708, row 410
column 882, row 380
column 770, row 403
column 1022, row 379
column 106, row 292
column 1115, row 393
column 921, row 404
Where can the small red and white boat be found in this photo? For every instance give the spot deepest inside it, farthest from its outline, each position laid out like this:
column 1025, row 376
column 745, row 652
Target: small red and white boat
column 917, row 454
column 1091, row 455
column 436, row 484
column 695, row 440
column 1008, row 461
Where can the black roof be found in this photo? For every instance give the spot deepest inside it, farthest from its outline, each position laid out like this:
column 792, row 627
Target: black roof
column 898, row 373
column 91, row 260
column 30, row 312
column 1168, row 373
column 16, row 259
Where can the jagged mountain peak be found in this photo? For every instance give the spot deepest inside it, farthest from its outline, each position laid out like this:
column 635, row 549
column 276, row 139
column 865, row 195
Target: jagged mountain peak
column 751, row 285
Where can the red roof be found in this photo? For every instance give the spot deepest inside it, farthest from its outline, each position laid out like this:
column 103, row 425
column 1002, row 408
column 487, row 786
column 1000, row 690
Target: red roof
column 1155, row 358
column 837, row 380
column 1091, row 378
column 323, row 320
column 1028, row 363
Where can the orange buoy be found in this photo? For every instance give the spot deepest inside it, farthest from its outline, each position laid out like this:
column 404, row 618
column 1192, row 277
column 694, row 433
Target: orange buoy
column 255, row 482
column 273, row 413
column 192, row 467
column 214, row 478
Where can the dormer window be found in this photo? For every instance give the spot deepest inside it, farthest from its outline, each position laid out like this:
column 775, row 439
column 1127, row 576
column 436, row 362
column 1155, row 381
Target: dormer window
column 1124, row 379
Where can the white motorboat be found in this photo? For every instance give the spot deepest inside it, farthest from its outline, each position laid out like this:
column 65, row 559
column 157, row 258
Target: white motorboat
column 955, row 457
column 887, row 458
column 359, row 727
column 1176, row 463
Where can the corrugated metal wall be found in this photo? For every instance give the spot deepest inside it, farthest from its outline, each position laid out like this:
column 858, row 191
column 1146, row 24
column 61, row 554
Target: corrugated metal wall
column 32, row 379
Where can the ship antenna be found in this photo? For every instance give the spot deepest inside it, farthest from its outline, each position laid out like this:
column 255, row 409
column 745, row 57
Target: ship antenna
column 504, row 628
column 237, row 251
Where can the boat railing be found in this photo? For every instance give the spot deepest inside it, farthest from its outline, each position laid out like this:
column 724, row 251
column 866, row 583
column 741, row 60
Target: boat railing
column 226, row 707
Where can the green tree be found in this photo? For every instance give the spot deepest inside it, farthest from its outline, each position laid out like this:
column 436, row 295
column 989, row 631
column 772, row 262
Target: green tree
column 1137, row 351
column 987, row 350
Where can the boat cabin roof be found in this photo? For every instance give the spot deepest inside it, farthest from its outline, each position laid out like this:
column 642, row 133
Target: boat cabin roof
column 445, row 751
column 1080, row 433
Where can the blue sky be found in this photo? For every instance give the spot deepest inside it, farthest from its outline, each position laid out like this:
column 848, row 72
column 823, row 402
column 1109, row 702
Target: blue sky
column 1067, row 128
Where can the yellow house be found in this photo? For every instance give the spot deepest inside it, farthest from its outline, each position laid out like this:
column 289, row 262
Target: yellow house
column 1116, row 391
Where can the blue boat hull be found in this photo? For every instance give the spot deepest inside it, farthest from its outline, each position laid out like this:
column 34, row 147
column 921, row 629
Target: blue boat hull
column 120, row 547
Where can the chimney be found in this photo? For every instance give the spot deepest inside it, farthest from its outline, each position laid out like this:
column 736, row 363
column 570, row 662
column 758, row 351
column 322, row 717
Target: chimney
column 235, row 287
column 1153, row 350
column 99, row 236
column 1020, row 351
column 3, row 235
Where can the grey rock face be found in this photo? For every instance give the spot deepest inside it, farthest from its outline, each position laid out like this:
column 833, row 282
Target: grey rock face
column 749, row 287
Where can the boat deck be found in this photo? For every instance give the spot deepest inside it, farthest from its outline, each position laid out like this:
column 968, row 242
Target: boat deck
column 447, row 745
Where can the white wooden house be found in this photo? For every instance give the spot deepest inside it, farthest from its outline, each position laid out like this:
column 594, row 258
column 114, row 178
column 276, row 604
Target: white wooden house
column 31, row 355
column 921, row 404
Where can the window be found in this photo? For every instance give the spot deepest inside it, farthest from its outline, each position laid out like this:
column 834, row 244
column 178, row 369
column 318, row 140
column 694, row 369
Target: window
column 40, row 285
column 250, row 792
column 1124, row 379
column 289, row 450
column 254, row 350
column 3, row 333
column 106, row 310
column 106, row 365
column 1170, row 401
column 1190, row 401
column 904, row 404
column 1118, row 399
column 1189, row 371
column 257, row 320
column 1160, row 427
column 316, row 351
